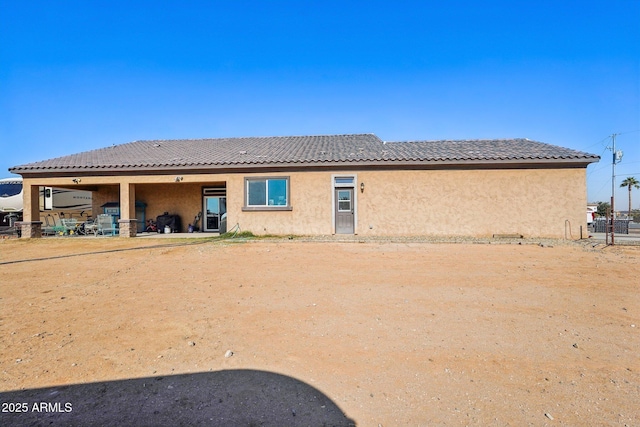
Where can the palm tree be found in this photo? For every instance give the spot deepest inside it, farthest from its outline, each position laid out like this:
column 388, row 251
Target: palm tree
column 630, row 182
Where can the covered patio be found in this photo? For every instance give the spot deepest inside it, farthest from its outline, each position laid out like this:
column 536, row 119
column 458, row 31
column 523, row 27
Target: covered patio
column 133, row 201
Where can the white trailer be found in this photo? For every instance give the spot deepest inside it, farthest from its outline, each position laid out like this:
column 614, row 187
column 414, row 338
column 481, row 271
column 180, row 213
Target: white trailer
column 51, row 199
column 11, row 195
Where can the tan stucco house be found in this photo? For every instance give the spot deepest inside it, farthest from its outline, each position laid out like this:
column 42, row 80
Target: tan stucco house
column 320, row 185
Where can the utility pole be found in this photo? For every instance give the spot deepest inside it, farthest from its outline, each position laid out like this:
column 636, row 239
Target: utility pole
column 613, row 188
column 617, row 158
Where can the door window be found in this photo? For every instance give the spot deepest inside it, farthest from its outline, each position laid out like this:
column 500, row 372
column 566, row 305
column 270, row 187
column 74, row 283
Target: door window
column 215, row 212
column 213, row 205
column 344, row 200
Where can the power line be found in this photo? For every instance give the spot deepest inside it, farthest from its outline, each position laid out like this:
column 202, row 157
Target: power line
column 599, row 142
column 631, row 131
column 601, row 167
column 603, row 185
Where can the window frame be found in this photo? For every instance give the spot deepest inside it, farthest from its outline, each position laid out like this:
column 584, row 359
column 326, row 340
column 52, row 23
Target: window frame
column 247, row 207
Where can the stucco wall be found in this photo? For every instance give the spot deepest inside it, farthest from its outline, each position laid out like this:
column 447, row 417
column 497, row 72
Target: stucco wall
column 473, row 202
column 528, row 202
column 104, row 194
column 310, row 194
column 540, row 203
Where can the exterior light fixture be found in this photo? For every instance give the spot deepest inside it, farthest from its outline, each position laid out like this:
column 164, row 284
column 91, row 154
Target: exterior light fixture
column 178, row 178
column 362, row 187
column 76, row 180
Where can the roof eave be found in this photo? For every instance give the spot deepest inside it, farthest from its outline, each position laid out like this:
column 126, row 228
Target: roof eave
column 311, row 165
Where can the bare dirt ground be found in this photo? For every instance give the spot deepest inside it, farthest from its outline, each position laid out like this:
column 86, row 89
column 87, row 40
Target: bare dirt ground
column 286, row 332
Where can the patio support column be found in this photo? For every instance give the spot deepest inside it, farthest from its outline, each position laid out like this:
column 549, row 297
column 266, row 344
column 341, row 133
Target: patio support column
column 31, row 226
column 127, row 222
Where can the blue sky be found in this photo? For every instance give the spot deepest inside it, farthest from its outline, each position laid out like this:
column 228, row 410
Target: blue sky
column 80, row 75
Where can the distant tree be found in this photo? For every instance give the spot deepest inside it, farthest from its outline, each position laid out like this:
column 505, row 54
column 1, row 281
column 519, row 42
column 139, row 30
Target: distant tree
column 603, row 207
column 630, row 182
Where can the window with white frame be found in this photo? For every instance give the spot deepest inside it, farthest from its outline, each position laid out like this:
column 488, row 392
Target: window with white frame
column 272, row 192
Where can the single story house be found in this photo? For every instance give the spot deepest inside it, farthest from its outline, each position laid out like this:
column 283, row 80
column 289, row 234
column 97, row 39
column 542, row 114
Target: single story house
column 328, row 184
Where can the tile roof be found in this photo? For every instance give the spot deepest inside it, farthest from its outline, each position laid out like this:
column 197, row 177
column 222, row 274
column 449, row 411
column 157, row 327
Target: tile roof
column 320, row 150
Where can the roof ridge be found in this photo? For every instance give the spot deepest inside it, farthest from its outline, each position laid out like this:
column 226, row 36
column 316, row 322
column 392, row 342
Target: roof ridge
column 467, row 140
column 253, row 137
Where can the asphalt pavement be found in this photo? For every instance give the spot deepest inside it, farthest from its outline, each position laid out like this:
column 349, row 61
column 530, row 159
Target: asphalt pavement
column 632, row 238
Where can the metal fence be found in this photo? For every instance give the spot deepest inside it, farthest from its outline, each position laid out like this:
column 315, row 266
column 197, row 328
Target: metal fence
column 621, row 226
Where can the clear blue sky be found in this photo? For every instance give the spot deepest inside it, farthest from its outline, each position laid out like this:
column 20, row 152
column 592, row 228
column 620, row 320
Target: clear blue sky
column 80, row 75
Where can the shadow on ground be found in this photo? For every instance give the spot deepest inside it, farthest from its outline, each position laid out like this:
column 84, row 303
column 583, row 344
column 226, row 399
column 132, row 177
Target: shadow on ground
column 222, row 398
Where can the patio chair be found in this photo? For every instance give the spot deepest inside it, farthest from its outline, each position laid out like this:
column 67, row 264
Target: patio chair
column 53, row 225
column 89, row 227
column 106, row 225
column 49, row 226
column 70, row 226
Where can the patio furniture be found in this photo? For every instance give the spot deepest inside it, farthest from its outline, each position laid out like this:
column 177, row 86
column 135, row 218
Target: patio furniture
column 88, row 227
column 48, row 228
column 69, row 226
column 106, row 225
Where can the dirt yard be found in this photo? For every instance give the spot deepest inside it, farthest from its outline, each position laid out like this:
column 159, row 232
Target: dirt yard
column 108, row 331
